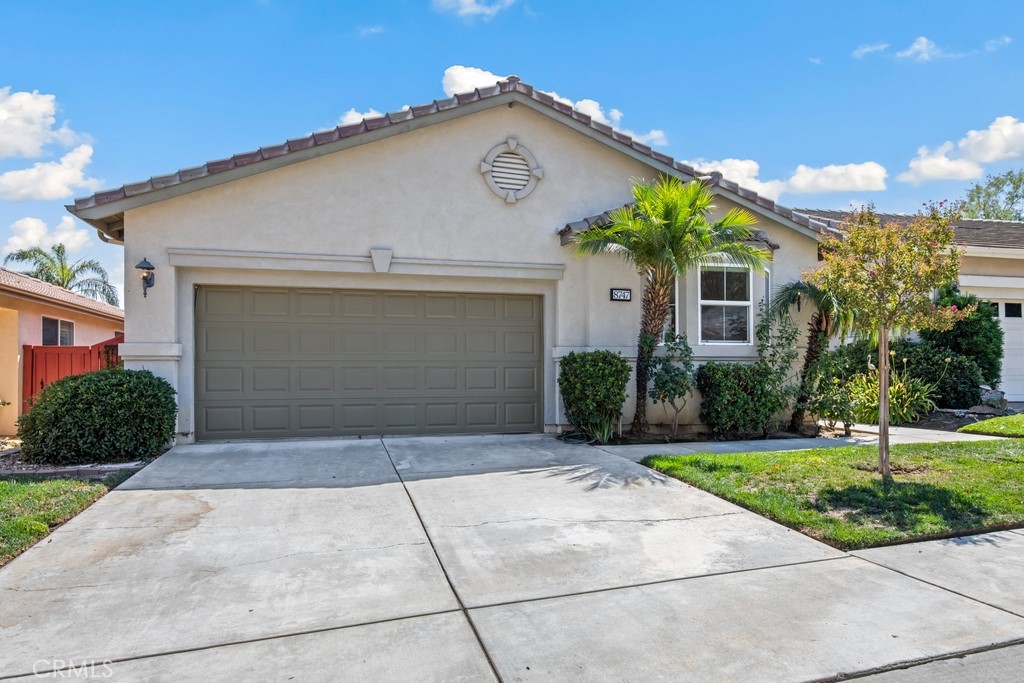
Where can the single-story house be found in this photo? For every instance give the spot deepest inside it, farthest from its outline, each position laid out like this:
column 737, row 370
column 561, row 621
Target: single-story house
column 992, row 268
column 35, row 313
column 410, row 274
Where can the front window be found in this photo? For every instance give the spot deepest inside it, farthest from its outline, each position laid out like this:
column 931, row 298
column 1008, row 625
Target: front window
column 58, row 332
column 725, row 305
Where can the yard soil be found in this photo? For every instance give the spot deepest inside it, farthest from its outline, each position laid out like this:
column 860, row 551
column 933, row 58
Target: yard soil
column 627, row 440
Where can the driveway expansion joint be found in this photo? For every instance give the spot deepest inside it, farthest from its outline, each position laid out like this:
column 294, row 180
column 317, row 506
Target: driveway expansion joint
column 658, row 582
column 939, row 586
column 914, row 663
column 231, row 643
column 458, row 598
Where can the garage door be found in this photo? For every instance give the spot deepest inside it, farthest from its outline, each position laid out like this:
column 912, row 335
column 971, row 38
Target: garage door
column 298, row 362
column 1010, row 315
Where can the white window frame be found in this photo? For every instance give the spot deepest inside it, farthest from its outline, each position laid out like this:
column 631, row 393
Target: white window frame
column 60, row 323
column 749, row 305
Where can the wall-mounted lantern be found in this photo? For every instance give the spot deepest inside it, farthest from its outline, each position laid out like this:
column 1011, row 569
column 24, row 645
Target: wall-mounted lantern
column 145, row 270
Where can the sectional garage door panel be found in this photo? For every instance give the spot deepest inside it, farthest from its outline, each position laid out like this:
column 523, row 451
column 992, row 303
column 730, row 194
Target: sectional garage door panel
column 279, row 362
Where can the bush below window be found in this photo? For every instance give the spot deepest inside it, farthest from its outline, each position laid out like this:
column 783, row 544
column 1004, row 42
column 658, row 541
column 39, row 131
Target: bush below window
column 593, row 387
column 111, row 415
column 739, row 398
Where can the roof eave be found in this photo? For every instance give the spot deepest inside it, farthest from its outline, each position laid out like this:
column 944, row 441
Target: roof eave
column 58, row 303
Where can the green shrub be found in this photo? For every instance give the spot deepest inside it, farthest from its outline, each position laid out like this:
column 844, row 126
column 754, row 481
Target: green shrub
column 830, row 400
column 738, row 398
column 111, row 415
column 672, row 376
column 957, row 381
column 910, row 398
column 593, row 387
column 979, row 336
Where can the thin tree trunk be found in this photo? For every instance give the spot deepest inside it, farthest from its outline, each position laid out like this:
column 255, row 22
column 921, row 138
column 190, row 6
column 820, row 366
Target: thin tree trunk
column 883, row 402
column 655, row 311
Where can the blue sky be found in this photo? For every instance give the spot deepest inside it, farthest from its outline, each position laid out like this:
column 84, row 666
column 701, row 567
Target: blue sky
column 816, row 103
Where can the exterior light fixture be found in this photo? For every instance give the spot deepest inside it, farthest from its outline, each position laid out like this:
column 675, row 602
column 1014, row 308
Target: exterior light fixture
column 145, row 270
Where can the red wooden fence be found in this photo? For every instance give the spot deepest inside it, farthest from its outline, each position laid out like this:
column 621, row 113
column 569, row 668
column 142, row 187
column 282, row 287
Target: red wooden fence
column 44, row 364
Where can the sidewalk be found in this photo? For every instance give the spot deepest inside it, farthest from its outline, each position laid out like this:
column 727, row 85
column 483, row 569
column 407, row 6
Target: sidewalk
column 863, row 435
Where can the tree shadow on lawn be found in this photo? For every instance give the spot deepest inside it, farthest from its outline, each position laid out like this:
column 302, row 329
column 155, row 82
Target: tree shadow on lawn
column 906, row 505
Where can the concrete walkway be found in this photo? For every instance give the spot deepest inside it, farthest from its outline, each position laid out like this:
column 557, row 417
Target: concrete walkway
column 863, row 435
column 481, row 558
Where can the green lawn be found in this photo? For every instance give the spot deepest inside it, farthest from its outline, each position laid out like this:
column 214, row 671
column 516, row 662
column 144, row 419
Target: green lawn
column 30, row 508
column 835, row 494
column 1011, row 425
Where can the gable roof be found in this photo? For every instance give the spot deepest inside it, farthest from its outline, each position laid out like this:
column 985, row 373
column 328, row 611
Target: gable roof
column 104, row 210
column 32, row 288
column 970, row 232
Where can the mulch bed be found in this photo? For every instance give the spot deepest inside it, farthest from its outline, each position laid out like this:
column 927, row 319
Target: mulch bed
column 11, row 464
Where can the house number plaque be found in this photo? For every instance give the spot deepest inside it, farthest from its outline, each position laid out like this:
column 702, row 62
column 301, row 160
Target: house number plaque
column 622, row 295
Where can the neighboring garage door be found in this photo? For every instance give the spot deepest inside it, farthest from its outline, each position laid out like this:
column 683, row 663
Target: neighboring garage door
column 1011, row 315
column 276, row 363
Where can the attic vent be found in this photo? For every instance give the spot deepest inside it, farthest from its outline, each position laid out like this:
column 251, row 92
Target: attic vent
column 511, row 171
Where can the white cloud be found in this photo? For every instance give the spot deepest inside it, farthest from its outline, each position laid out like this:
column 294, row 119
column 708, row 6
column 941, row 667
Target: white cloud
column 814, row 60
column 50, row 179
column 353, row 116
column 936, row 165
column 869, row 175
column 805, row 179
column 1002, row 140
column 471, row 9
column 861, row 50
column 461, row 79
column 27, row 121
column 924, row 50
column 33, row 232
column 365, row 31
column 997, row 43
column 746, row 172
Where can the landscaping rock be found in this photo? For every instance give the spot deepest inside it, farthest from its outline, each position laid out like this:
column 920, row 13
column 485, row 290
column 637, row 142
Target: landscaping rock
column 994, row 399
column 985, row 410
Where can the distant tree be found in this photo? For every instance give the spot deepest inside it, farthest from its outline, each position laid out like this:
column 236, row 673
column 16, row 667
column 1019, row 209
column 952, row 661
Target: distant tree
column 1000, row 197
column 886, row 275
column 666, row 231
column 53, row 267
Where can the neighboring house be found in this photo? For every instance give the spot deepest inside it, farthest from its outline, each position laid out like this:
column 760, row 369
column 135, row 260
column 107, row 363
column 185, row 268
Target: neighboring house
column 993, row 269
column 35, row 313
column 406, row 275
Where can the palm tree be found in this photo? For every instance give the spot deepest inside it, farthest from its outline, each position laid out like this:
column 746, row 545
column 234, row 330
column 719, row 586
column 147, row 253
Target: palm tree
column 663, row 233
column 53, row 267
column 829, row 319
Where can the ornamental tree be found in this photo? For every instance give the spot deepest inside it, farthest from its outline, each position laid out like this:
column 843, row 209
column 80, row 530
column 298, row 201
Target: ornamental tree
column 885, row 274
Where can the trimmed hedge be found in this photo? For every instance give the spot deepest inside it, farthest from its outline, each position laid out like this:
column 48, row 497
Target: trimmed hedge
column 979, row 336
column 111, row 415
column 593, row 387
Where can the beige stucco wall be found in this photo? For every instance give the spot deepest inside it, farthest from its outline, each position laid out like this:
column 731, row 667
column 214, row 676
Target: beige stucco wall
column 982, row 265
column 420, row 194
column 9, row 370
column 21, row 324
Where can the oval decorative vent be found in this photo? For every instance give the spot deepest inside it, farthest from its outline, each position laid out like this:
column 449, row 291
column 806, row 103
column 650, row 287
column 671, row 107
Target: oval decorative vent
column 511, row 171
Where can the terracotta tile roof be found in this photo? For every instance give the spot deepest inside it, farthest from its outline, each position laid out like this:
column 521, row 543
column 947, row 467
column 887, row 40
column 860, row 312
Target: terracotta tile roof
column 970, row 232
column 510, row 88
column 602, row 219
column 18, row 282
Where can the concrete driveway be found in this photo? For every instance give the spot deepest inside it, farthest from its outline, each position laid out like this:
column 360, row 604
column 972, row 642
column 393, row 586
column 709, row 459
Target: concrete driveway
column 474, row 559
